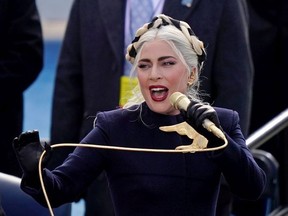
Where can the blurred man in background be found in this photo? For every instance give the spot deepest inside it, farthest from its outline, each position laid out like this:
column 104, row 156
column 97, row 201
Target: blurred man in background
column 21, row 60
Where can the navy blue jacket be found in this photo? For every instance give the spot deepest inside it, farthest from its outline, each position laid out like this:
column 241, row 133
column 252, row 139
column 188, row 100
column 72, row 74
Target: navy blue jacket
column 145, row 183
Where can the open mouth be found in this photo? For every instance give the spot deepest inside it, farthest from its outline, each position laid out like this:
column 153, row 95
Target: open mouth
column 159, row 93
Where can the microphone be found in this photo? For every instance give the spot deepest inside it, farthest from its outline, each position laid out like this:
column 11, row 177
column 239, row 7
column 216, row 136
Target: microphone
column 181, row 102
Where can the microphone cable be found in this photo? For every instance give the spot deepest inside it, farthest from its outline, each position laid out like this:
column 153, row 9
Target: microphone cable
column 119, row 148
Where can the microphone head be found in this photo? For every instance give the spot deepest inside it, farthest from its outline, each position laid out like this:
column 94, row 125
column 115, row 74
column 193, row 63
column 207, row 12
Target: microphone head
column 174, row 98
column 179, row 100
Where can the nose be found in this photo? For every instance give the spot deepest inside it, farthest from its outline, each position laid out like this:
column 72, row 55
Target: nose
column 155, row 73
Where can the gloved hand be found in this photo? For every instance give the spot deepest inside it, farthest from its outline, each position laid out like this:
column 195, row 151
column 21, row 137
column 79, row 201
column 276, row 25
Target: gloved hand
column 196, row 114
column 28, row 150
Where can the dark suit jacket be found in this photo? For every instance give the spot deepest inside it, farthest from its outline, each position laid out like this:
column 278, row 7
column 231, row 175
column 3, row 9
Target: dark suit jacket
column 21, row 60
column 269, row 45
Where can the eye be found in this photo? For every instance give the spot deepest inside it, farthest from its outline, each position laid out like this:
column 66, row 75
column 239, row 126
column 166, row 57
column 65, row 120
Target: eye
column 143, row 65
column 168, row 63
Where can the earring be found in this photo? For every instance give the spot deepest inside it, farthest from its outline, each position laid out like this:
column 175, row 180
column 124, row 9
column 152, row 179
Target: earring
column 190, row 81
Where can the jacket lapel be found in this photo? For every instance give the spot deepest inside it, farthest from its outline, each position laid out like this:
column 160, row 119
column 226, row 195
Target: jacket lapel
column 113, row 14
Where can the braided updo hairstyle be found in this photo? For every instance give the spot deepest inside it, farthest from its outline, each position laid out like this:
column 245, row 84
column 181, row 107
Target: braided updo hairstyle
column 183, row 41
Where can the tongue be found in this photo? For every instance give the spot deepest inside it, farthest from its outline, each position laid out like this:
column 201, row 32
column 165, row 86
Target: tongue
column 159, row 95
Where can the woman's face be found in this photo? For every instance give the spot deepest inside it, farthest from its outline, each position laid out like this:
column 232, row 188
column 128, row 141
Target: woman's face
column 160, row 73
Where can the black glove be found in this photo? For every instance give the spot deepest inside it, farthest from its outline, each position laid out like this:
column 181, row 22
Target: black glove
column 28, row 150
column 196, row 114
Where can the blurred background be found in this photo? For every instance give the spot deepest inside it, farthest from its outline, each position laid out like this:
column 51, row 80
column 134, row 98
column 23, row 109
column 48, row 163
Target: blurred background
column 38, row 98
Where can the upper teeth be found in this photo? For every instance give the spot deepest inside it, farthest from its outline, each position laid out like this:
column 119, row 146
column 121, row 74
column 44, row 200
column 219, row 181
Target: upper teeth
column 157, row 89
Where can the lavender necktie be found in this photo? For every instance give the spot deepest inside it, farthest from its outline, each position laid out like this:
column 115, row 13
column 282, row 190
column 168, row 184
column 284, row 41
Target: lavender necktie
column 141, row 12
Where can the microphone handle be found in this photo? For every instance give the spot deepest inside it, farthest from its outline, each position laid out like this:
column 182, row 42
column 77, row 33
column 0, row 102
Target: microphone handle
column 210, row 126
column 181, row 102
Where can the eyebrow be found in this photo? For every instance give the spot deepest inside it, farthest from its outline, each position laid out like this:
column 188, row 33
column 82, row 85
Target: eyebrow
column 159, row 59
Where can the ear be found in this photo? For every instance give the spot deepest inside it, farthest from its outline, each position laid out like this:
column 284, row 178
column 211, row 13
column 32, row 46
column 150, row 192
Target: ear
column 191, row 77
